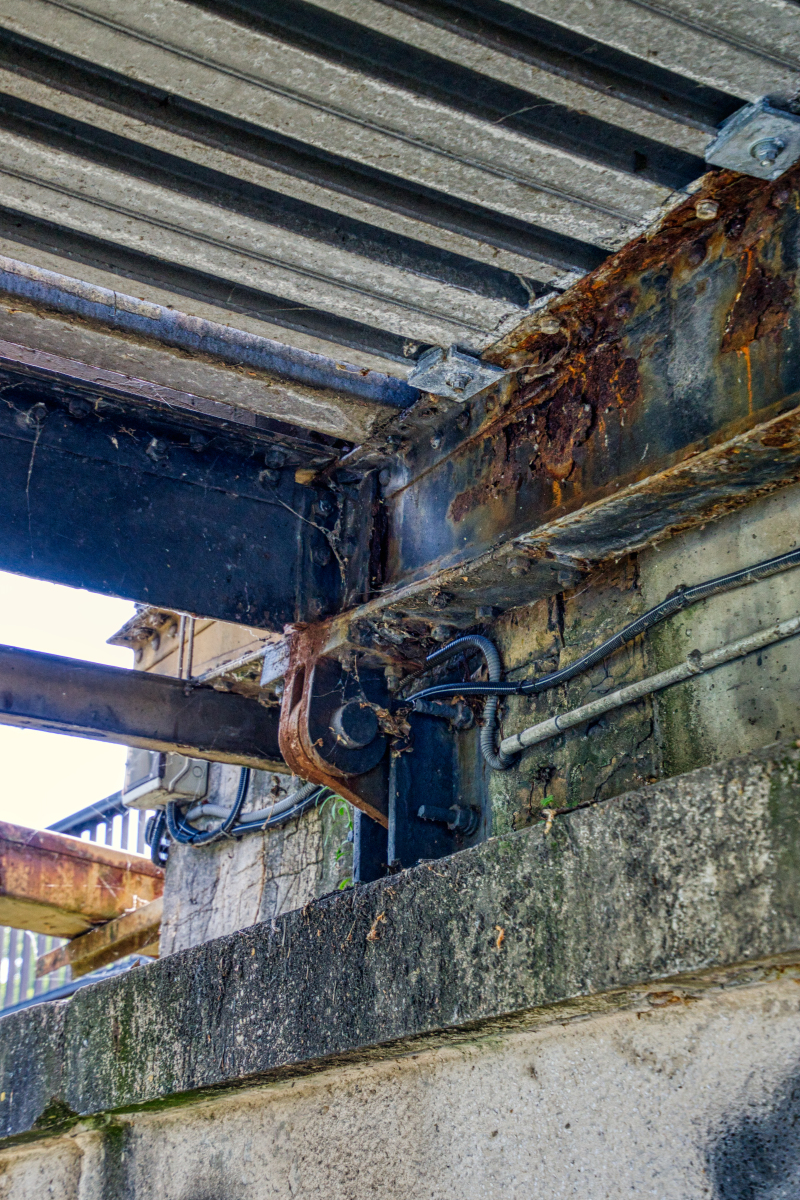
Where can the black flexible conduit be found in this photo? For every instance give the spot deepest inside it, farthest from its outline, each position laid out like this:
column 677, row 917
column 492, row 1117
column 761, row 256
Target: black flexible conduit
column 180, row 831
column 679, row 600
column 154, row 834
column 282, row 818
column 496, row 759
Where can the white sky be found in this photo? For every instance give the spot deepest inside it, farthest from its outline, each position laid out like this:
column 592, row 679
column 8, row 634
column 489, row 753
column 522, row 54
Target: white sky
column 46, row 776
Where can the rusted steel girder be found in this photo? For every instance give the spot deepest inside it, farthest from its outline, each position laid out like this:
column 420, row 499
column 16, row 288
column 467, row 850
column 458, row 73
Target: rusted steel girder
column 660, row 391
column 135, row 708
column 134, row 932
column 54, row 884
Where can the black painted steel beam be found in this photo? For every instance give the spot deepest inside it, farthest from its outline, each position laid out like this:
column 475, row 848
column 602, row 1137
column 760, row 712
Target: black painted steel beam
column 135, row 708
column 156, row 504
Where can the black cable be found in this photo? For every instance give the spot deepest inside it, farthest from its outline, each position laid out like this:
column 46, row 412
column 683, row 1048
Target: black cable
column 184, row 833
column 680, row 599
column 496, row 759
column 154, row 832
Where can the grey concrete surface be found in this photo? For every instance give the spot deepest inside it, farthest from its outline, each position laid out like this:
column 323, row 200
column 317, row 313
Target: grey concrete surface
column 214, row 890
column 745, row 704
column 734, row 709
column 687, row 1097
column 681, row 880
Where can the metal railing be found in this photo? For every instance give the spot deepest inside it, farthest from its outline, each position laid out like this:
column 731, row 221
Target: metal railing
column 109, row 823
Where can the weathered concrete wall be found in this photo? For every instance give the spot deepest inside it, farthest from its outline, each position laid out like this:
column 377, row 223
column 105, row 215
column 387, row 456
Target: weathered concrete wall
column 744, row 704
column 616, row 752
column 604, row 1007
column 682, row 1099
column 739, row 707
column 671, row 887
column 213, row 890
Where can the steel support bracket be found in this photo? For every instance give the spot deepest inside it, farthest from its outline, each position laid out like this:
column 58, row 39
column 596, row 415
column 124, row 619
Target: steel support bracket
column 330, row 725
column 760, row 139
column 453, row 374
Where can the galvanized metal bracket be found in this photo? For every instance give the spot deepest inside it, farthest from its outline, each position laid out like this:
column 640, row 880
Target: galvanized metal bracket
column 453, row 374
column 759, row 140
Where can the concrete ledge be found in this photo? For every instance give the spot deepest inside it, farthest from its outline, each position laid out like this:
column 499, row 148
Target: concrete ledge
column 695, row 880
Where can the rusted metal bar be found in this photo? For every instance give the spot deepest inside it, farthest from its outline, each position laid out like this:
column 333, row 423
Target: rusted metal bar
column 134, row 932
column 54, row 884
column 135, row 708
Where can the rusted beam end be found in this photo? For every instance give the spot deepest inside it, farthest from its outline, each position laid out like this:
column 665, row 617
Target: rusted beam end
column 135, row 932
column 54, row 884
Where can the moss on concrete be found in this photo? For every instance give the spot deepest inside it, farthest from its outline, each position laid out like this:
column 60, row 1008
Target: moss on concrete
column 613, row 754
column 694, row 873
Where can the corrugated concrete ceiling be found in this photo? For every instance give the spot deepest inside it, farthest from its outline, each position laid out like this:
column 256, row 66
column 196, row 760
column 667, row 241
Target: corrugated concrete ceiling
column 362, row 178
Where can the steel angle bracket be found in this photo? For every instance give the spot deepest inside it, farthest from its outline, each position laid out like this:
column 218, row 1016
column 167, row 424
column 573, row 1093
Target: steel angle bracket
column 453, row 374
column 760, row 139
column 329, row 731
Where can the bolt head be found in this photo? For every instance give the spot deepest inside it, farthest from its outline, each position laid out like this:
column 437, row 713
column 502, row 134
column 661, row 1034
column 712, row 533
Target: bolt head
column 436, row 440
column 706, row 210
column 36, row 414
column 79, row 408
column 355, row 724
column 442, row 633
column 519, row 566
column 275, row 458
column 459, row 381
column 486, row 612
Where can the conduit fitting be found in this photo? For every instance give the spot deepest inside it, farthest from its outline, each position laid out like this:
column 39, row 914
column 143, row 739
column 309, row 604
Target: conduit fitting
column 695, row 664
column 459, row 715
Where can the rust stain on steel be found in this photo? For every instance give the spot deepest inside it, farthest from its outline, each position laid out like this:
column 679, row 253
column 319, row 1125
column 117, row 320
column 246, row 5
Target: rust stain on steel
column 300, row 752
column 55, row 884
column 748, row 209
column 573, row 363
column 546, row 437
column 761, row 308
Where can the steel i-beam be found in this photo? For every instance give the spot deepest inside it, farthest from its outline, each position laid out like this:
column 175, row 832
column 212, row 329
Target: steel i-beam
column 135, row 708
